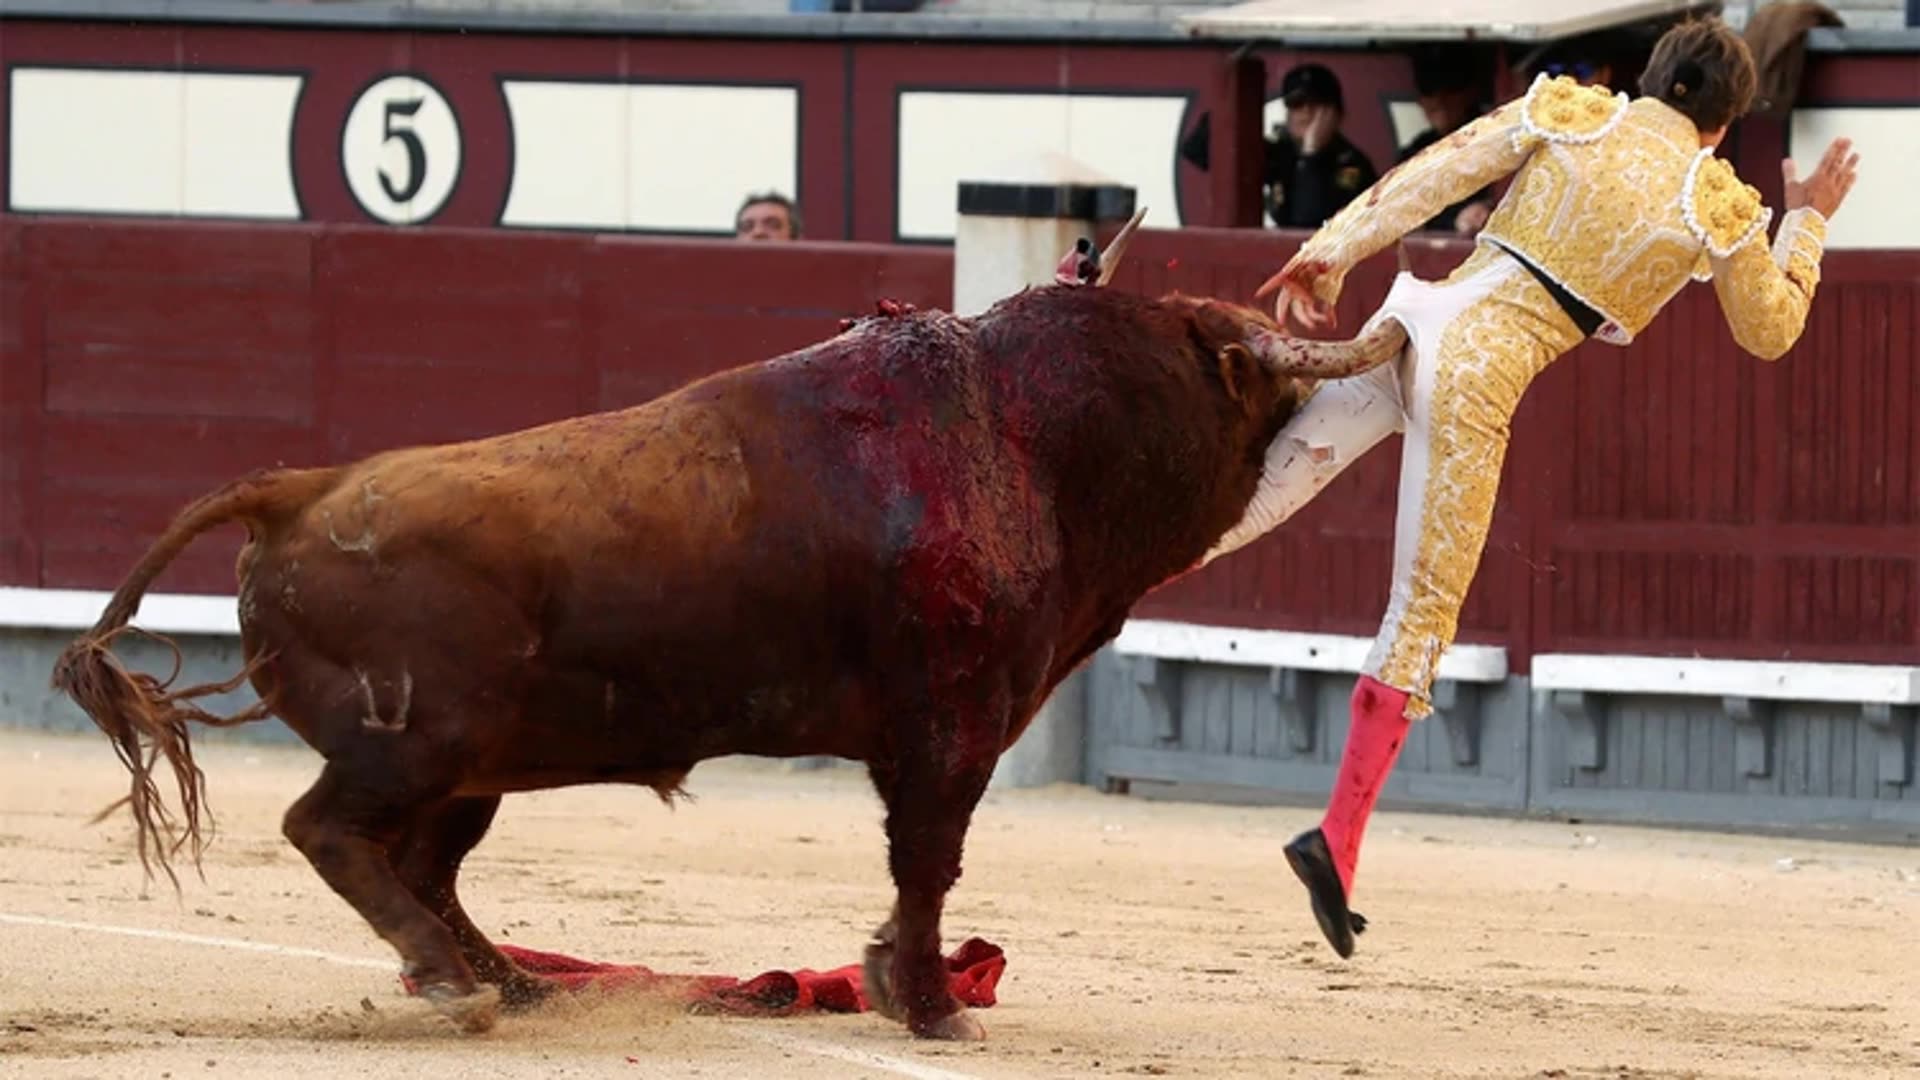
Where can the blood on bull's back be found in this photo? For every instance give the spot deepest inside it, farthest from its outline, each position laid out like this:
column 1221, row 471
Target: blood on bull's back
column 749, row 564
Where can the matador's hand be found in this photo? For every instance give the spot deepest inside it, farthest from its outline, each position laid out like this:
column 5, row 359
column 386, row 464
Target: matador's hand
column 1827, row 188
column 1299, row 283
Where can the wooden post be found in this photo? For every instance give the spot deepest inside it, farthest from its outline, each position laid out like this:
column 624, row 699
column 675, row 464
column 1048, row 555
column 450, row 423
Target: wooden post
column 1584, row 717
column 1458, row 707
column 1014, row 229
column 1295, row 696
column 1015, row 224
column 1238, row 154
column 1894, row 724
column 1753, row 735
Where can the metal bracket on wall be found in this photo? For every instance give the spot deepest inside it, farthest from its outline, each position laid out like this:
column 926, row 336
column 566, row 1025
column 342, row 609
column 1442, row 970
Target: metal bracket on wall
column 1299, row 707
column 1585, row 718
column 1159, row 683
column 1459, row 709
column 1752, row 735
column 1895, row 723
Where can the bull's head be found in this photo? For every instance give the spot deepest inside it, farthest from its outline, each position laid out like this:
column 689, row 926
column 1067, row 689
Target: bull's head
column 1255, row 335
column 1250, row 347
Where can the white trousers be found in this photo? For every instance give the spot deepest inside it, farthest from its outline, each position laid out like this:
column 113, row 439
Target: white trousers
column 1474, row 341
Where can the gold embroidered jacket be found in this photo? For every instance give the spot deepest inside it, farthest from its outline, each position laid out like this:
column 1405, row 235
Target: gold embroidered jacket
column 1614, row 198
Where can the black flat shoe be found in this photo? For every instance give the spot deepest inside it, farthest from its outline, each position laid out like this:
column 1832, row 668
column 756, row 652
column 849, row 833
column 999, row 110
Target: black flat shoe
column 1313, row 864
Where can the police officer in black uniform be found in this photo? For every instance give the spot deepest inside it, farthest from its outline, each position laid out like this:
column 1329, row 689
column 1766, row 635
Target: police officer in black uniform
column 1312, row 170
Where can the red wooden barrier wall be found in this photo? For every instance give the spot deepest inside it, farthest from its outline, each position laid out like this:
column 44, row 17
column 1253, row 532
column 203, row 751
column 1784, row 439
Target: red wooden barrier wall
column 143, row 364
column 1677, row 496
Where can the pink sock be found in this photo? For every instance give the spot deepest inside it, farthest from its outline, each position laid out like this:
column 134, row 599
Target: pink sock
column 1376, row 732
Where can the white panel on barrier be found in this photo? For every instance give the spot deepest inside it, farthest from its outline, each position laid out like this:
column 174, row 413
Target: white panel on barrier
column 675, row 157
column 946, row 137
column 152, row 142
column 1796, row 680
column 1880, row 212
column 94, row 140
column 1409, row 120
column 78, row 609
column 569, row 159
column 696, row 151
column 237, row 138
column 1288, row 649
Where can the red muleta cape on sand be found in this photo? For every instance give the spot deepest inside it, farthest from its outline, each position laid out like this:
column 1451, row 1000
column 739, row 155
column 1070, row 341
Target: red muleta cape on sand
column 973, row 970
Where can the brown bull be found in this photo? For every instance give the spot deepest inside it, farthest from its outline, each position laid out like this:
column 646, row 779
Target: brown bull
column 889, row 547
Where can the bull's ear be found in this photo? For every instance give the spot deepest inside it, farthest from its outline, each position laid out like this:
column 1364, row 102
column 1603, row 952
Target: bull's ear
column 1238, row 368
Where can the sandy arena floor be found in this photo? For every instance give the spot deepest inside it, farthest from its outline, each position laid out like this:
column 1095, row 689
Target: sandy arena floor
column 1143, row 938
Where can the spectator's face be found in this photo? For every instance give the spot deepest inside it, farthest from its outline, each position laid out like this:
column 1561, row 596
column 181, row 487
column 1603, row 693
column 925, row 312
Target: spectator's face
column 1302, row 117
column 1447, row 109
column 763, row 221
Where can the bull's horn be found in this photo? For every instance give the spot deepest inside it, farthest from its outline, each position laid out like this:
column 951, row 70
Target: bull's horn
column 1110, row 258
column 1328, row 359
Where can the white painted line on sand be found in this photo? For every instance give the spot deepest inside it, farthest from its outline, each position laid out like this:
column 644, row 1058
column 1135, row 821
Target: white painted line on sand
column 870, row 1059
column 205, row 939
column 852, row 1055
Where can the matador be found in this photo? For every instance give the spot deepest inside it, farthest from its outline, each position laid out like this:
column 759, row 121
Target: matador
column 1616, row 203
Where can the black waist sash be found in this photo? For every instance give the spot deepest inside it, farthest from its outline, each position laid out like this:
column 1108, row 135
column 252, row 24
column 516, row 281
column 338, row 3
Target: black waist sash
column 1584, row 317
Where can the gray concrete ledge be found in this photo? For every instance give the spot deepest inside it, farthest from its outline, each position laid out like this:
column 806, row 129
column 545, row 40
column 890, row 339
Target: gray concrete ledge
column 28, row 701
column 495, row 18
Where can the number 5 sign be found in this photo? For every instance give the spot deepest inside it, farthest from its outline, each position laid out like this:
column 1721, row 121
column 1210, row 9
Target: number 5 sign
column 400, row 150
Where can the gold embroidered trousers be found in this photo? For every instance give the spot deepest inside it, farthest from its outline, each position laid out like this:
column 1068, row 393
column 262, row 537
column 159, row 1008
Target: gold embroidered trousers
column 1475, row 340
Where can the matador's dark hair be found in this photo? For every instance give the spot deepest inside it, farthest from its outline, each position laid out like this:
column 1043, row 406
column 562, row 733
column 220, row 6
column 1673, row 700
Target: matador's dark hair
column 1703, row 69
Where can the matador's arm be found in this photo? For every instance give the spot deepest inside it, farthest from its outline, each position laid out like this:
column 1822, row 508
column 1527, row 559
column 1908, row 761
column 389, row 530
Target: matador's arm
column 1766, row 295
column 1763, row 294
column 1492, row 146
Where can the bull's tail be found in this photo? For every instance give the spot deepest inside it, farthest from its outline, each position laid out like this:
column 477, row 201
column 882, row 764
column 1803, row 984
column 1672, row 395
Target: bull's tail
column 144, row 719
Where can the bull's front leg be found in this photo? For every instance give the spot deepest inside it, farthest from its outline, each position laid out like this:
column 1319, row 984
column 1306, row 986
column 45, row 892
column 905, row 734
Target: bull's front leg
column 930, row 798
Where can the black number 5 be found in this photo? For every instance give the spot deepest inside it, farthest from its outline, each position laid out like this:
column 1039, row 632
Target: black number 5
column 416, row 154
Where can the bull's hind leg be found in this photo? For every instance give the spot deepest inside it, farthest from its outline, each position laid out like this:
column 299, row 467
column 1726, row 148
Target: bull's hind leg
column 344, row 827
column 930, row 796
column 876, row 969
column 428, row 862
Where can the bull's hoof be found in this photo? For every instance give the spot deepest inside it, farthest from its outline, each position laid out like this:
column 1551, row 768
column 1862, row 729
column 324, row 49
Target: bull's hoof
column 473, row 1012
column 876, row 980
column 954, row 1027
column 519, row 993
